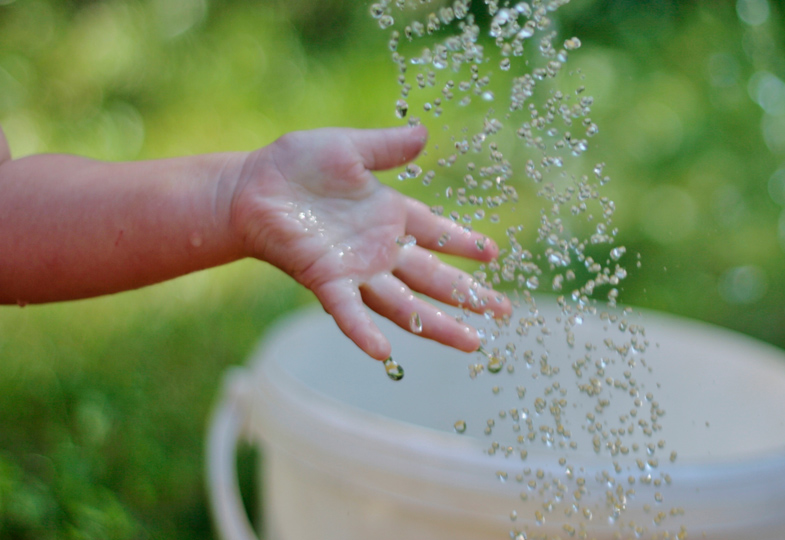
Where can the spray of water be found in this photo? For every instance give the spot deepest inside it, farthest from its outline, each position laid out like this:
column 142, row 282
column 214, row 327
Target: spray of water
column 512, row 154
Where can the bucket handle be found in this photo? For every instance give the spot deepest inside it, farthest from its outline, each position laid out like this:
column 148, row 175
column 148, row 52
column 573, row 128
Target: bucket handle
column 226, row 427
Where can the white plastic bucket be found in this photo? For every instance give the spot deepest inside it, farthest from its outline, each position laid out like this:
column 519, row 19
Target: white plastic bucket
column 351, row 455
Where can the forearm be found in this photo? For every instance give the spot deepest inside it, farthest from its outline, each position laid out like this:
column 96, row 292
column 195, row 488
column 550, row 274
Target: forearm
column 72, row 228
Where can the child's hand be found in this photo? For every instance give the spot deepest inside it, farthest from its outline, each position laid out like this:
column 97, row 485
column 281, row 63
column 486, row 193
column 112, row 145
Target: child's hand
column 310, row 205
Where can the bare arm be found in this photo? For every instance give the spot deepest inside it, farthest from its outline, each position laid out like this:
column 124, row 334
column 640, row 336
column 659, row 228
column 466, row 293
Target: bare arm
column 309, row 204
column 71, row 227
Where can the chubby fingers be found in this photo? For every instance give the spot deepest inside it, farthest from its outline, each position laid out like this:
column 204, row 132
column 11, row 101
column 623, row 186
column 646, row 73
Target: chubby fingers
column 445, row 236
column 389, row 297
column 393, row 298
column 425, row 273
column 342, row 299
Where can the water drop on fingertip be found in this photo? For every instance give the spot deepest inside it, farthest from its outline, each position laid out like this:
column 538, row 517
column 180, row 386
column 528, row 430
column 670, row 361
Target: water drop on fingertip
column 415, row 323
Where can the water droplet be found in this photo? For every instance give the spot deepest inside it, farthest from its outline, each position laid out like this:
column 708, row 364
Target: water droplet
column 460, row 426
column 196, row 239
column 406, row 241
column 526, row 32
column 618, row 252
column 394, row 371
column 495, row 364
column 413, row 170
column 401, row 108
column 572, row 44
column 415, row 323
column 386, row 21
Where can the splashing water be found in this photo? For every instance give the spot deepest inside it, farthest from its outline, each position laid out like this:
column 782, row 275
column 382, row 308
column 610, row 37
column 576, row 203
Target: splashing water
column 516, row 125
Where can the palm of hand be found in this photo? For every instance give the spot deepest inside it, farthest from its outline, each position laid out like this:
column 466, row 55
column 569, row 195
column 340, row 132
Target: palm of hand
column 320, row 215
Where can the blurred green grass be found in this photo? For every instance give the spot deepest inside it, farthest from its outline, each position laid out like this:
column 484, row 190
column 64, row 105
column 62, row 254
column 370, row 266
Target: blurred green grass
column 103, row 403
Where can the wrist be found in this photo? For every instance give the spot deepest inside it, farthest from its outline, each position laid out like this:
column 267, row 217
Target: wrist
column 252, row 196
column 226, row 179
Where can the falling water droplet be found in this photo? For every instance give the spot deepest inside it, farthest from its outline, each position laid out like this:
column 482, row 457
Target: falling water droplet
column 539, row 519
column 401, row 108
column 618, row 252
column 460, row 426
column 495, row 364
column 394, row 371
column 413, row 171
column 386, row 21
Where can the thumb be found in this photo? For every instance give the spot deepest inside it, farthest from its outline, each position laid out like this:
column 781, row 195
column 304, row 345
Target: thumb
column 383, row 149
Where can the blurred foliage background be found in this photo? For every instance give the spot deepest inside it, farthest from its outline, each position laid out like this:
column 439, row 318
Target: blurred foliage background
column 103, row 403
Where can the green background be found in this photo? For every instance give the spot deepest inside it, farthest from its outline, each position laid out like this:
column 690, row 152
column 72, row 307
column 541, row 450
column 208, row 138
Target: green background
column 104, row 403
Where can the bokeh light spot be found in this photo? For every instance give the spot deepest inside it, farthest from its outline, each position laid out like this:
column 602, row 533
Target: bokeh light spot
column 753, row 12
column 743, row 284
